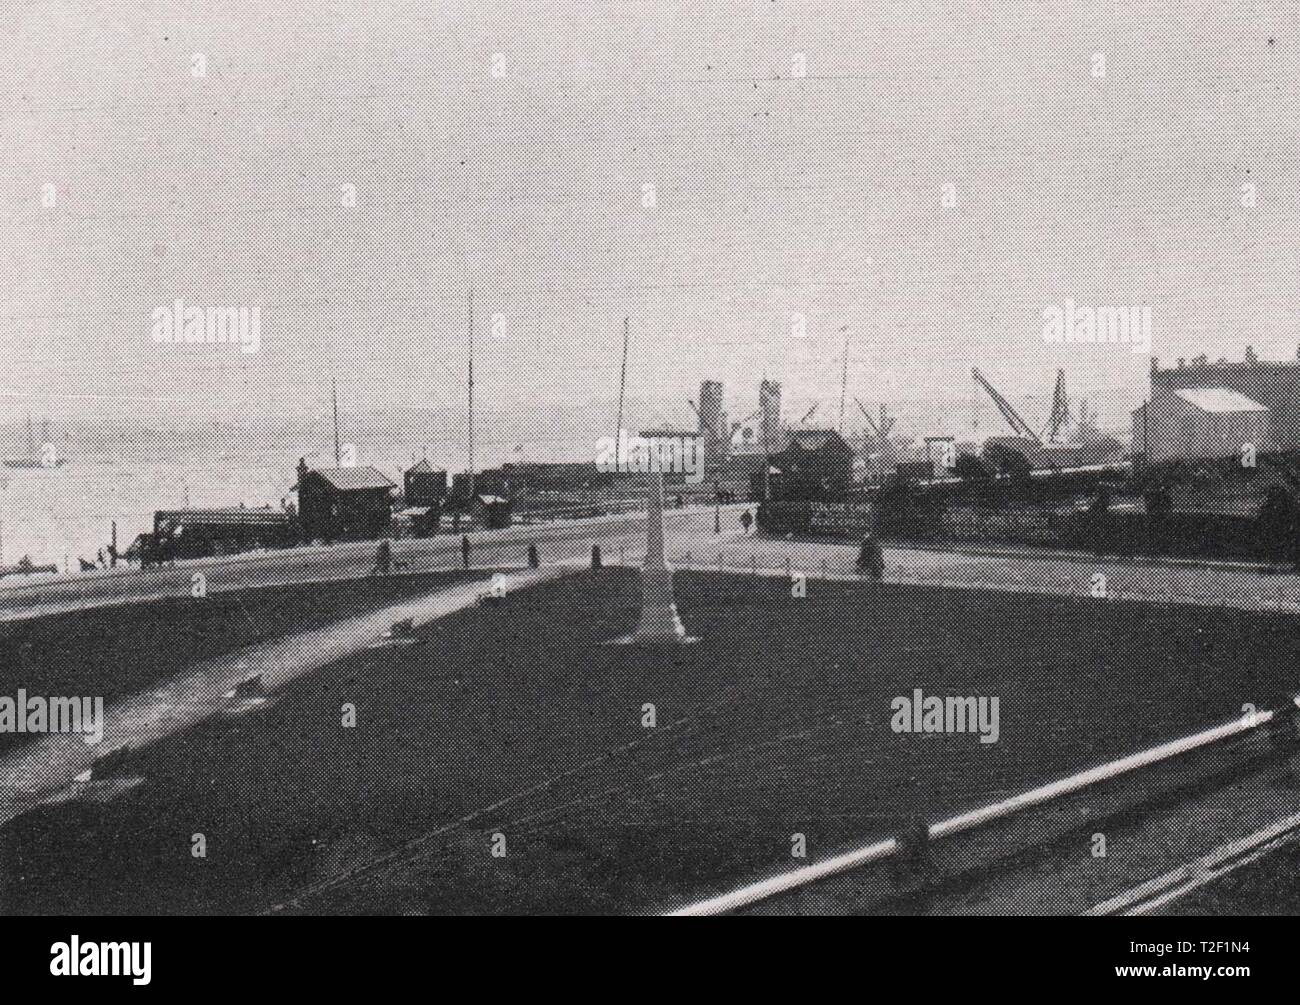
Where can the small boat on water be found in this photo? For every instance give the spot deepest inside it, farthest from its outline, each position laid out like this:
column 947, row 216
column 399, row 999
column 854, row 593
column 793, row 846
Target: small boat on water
column 26, row 567
column 45, row 458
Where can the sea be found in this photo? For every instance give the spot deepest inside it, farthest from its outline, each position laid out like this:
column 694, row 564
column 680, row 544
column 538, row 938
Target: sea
column 122, row 472
column 57, row 515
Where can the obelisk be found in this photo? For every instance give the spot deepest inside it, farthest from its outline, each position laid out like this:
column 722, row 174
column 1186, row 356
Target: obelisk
column 659, row 619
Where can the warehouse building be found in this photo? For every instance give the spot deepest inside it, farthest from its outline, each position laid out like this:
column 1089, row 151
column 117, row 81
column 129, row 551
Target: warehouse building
column 1272, row 384
column 817, row 465
column 1200, row 423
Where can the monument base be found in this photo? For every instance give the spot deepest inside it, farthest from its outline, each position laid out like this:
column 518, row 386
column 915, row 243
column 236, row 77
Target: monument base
column 660, row 623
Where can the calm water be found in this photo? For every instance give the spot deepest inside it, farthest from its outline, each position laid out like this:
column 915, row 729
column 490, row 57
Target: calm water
column 58, row 515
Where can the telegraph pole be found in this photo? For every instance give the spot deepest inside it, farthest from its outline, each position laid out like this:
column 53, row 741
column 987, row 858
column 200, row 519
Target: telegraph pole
column 622, row 386
column 471, row 392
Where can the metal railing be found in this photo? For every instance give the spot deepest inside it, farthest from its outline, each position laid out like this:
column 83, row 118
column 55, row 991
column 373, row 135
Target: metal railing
column 1181, row 762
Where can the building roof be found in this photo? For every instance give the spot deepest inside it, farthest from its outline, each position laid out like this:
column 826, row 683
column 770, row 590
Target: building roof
column 670, row 434
column 423, row 468
column 816, row 439
column 1219, row 399
column 354, row 479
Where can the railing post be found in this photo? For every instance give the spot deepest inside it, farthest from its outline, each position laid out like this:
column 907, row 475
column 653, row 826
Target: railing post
column 913, row 847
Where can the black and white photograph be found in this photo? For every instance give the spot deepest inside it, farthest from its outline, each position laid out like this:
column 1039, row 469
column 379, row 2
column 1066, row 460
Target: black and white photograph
column 659, row 458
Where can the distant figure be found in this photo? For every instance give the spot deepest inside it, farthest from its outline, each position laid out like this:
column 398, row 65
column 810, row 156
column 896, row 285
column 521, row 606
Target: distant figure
column 871, row 558
column 99, row 559
column 533, row 559
column 464, row 549
column 746, row 520
column 595, row 556
column 384, row 558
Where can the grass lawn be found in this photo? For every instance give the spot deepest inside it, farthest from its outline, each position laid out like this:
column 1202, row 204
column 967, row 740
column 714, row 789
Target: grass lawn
column 113, row 651
column 516, row 720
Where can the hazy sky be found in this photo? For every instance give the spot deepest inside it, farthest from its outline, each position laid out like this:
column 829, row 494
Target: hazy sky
column 773, row 195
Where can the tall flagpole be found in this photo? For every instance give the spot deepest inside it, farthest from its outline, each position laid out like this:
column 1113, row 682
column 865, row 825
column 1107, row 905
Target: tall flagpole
column 338, row 450
column 471, row 391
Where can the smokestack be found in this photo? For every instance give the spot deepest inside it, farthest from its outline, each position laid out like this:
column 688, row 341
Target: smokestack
column 769, row 402
column 712, row 421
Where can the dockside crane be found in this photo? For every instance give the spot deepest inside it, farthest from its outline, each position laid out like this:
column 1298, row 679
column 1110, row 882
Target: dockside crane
column 1017, row 424
column 1060, row 410
column 881, row 429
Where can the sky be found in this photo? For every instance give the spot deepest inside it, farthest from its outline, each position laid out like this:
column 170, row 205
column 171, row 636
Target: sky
column 775, row 194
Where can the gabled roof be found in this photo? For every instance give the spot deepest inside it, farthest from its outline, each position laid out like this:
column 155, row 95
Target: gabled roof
column 816, row 439
column 423, row 468
column 1219, row 399
column 354, row 479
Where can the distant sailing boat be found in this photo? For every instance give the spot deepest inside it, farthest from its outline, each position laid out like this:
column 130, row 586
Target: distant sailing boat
column 46, row 457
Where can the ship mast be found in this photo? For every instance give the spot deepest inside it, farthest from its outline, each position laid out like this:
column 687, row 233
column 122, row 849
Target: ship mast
column 338, row 451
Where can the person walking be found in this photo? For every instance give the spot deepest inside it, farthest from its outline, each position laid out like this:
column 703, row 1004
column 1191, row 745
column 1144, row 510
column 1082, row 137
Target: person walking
column 464, row 549
column 871, row 558
column 384, row 558
column 746, row 520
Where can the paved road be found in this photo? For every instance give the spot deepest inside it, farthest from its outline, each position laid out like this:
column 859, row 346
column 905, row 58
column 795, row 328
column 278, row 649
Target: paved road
column 1021, row 571
column 691, row 543
column 619, row 536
